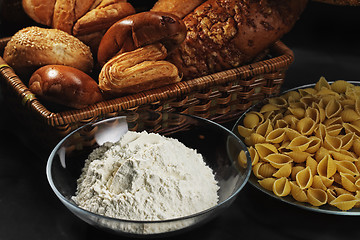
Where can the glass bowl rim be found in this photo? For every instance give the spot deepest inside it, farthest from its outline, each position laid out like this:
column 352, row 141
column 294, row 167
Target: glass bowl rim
column 73, row 205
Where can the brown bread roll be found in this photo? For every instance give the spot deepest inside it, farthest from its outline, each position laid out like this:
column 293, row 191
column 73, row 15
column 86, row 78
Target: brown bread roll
column 65, row 85
column 33, row 47
column 223, row 34
column 139, row 30
column 341, row 2
column 138, row 70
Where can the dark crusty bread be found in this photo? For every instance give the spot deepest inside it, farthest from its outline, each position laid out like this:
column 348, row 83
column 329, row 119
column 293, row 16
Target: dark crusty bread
column 224, row 34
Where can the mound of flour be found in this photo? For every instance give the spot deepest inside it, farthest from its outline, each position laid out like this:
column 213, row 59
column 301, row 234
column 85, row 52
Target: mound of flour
column 146, row 176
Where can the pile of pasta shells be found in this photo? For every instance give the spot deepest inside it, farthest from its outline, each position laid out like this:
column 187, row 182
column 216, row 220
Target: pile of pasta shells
column 306, row 144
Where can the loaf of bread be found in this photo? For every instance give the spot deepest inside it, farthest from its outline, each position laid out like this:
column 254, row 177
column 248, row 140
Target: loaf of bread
column 33, row 47
column 81, row 18
column 65, row 85
column 223, row 34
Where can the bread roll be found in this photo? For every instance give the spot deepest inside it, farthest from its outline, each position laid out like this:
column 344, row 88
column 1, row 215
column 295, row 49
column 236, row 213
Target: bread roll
column 65, row 85
column 138, row 30
column 138, row 70
column 223, row 34
column 33, row 47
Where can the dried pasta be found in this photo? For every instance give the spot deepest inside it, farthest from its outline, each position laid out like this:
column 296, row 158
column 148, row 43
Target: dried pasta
column 306, row 144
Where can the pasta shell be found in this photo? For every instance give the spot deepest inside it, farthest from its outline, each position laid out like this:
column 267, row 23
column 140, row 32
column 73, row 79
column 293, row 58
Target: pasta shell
column 306, row 126
column 348, row 182
column 277, row 160
column 284, row 171
column 281, row 123
column 339, row 86
column 292, row 96
column 333, row 121
column 264, row 128
column 295, row 170
column 322, row 182
column 322, row 83
column 245, row 132
column 321, row 153
column 333, row 109
column 264, row 149
column 331, row 195
column 300, row 143
column 307, row 91
column 304, row 178
column 320, row 131
column 256, row 138
column 291, row 133
column 344, row 202
column 349, row 115
column 334, row 130
column 315, row 144
column 321, row 110
column 316, row 197
column 332, row 143
column 356, row 123
column 326, row 92
column 263, row 170
column 357, row 105
column 347, row 167
column 312, row 164
column 282, row 187
column 267, row 183
column 308, row 100
column 326, row 167
column 252, row 119
column 298, row 156
column 313, row 113
column 357, row 184
column 351, row 128
column 254, row 155
column 338, row 190
column 298, row 112
column 297, row 193
column 356, row 146
column 276, row 136
column 347, row 141
column 340, row 156
column 242, row 159
column 269, row 108
column 280, row 102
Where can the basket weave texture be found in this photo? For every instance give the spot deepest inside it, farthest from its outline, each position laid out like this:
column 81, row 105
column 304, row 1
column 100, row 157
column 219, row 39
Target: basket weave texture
column 220, row 97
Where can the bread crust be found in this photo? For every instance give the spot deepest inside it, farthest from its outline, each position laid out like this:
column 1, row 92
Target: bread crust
column 180, row 8
column 65, row 85
column 39, row 10
column 224, row 34
column 33, row 47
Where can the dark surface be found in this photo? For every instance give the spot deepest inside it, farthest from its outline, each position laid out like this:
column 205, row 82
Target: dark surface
column 325, row 42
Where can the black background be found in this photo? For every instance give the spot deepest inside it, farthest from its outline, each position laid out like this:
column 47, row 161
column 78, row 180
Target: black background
column 325, row 42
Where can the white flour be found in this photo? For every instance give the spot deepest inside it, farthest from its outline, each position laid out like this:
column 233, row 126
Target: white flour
column 146, row 176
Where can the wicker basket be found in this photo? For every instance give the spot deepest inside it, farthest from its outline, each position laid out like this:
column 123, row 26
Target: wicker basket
column 220, row 97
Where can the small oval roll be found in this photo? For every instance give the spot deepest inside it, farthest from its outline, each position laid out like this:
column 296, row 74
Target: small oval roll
column 65, row 85
column 34, row 47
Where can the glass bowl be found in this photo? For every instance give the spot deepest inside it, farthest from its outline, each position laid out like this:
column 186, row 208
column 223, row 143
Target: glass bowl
column 253, row 180
column 218, row 146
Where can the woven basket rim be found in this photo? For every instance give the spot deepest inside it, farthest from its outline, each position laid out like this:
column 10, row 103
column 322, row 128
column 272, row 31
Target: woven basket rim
column 283, row 57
